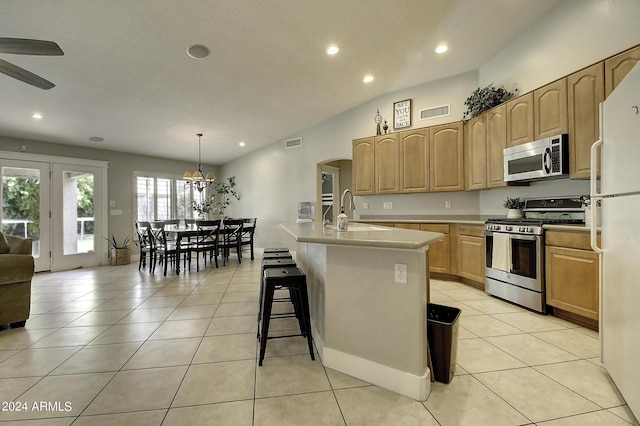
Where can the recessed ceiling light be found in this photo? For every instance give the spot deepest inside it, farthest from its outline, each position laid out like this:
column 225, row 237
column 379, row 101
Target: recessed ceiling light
column 198, row 51
column 241, row 144
column 332, row 50
column 37, row 116
column 442, row 48
column 96, row 139
column 368, row 78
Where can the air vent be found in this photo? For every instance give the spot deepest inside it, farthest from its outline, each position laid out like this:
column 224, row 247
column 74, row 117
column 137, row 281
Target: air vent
column 293, row 143
column 435, row 112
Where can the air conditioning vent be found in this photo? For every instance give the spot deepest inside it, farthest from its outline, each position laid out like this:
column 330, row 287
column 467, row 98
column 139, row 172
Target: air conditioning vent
column 435, row 112
column 293, row 143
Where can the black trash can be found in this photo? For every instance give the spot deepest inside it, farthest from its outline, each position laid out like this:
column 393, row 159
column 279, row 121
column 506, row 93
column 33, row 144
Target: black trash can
column 442, row 335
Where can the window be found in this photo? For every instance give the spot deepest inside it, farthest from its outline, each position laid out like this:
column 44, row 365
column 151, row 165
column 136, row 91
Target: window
column 162, row 198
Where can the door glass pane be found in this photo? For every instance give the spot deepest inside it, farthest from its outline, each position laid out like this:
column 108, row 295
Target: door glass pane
column 78, row 212
column 183, row 200
column 164, row 199
column 21, row 204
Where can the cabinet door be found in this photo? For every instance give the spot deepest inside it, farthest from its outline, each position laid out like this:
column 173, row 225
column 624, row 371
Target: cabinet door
column 496, row 143
column 362, row 167
column 475, row 148
column 520, row 120
column 438, row 251
column 572, row 280
column 550, row 109
column 414, row 161
column 585, row 92
column 617, row 67
column 446, row 165
column 386, row 164
column 471, row 257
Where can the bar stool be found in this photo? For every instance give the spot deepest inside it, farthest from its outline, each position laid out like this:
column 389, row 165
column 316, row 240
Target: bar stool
column 276, row 250
column 296, row 281
column 277, row 255
column 273, row 263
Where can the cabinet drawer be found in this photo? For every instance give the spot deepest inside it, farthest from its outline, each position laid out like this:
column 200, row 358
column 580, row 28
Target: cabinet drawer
column 415, row 226
column 576, row 240
column 471, row 230
column 443, row 228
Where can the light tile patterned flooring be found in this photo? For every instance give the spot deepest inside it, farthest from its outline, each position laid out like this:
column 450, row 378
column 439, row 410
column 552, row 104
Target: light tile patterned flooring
column 118, row 346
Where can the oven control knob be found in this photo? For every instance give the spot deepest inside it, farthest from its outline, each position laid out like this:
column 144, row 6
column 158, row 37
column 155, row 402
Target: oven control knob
column 507, row 228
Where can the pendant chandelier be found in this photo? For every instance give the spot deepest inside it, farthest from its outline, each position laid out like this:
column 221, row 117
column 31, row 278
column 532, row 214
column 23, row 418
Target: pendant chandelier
column 198, row 179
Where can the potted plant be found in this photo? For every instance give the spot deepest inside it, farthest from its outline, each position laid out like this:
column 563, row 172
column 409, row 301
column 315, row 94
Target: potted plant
column 485, row 98
column 224, row 191
column 120, row 253
column 514, row 206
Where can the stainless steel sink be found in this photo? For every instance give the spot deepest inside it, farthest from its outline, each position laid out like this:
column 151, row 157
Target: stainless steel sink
column 361, row 228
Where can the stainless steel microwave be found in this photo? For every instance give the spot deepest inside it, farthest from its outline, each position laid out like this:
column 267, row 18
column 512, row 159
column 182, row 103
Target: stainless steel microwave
column 546, row 158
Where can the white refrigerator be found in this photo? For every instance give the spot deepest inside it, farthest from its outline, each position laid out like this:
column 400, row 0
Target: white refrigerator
column 619, row 194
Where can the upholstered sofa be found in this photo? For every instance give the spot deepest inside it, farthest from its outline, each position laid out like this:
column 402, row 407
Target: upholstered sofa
column 16, row 271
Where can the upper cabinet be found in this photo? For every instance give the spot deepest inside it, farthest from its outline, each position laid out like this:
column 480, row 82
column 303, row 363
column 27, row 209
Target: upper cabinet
column 496, row 143
column 617, row 67
column 550, row 110
column 446, row 161
column 520, row 127
column 386, row 164
column 475, row 149
column 414, row 160
column 363, row 166
column 585, row 93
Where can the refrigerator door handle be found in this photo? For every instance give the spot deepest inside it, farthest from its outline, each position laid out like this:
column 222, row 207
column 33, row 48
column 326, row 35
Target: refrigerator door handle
column 595, row 196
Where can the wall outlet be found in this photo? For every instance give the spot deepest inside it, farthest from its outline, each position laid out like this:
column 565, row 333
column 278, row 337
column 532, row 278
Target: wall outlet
column 365, row 206
column 447, row 204
column 401, row 273
column 388, row 205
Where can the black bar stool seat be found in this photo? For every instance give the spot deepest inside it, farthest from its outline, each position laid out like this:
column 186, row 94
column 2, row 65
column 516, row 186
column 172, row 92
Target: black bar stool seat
column 277, row 255
column 276, row 250
column 296, row 281
column 273, row 263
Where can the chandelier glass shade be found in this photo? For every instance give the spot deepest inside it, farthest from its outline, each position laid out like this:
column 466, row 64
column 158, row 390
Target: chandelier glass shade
column 198, row 179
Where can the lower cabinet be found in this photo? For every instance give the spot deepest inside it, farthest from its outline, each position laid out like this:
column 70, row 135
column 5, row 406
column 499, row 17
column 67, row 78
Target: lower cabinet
column 469, row 253
column 572, row 271
column 438, row 252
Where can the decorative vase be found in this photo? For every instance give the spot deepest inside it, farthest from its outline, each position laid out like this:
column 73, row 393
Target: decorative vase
column 514, row 214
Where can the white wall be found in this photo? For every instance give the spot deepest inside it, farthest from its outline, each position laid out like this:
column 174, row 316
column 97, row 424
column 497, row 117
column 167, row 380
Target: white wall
column 574, row 35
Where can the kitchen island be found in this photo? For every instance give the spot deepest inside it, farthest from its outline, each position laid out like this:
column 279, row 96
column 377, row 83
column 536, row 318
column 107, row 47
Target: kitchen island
column 365, row 323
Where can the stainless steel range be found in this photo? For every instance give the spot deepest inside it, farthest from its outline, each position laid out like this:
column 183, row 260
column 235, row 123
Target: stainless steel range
column 514, row 249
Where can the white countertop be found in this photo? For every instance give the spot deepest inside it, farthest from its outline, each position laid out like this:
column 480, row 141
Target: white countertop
column 361, row 235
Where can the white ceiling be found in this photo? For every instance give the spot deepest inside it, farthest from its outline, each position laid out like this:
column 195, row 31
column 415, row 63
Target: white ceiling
column 125, row 75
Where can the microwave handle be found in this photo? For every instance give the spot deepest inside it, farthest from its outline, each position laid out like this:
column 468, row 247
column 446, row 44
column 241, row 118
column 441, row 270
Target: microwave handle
column 546, row 162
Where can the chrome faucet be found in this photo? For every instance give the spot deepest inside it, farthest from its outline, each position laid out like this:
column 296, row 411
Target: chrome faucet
column 351, row 204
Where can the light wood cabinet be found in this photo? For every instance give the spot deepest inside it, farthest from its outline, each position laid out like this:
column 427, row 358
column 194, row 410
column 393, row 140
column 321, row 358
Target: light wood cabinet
column 617, row 67
column 414, row 161
column 363, row 166
column 550, row 109
column 496, row 143
column 572, row 272
column 520, row 128
column 475, row 149
column 446, row 159
column 585, row 92
column 386, row 164
column 438, row 251
column 469, row 252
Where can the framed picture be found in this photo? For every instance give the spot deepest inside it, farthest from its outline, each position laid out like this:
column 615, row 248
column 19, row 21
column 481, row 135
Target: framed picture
column 402, row 114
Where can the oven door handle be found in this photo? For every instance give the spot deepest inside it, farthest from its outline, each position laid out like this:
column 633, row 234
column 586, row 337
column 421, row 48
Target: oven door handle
column 523, row 237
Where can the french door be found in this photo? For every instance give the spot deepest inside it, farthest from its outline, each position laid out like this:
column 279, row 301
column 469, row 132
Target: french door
column 25, row 206
column 60, row 205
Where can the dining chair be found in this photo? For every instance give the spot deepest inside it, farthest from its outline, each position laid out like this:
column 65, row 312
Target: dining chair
column 231, row 238
column 248, row 229
column 206, row 241
column 142, row 231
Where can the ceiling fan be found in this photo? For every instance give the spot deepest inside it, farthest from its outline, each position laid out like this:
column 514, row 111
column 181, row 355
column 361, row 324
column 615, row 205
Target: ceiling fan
column 23, row 46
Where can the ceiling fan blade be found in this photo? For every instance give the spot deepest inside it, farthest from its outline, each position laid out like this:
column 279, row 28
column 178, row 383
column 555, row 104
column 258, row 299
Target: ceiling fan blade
column 24, row 75
column 24, row 46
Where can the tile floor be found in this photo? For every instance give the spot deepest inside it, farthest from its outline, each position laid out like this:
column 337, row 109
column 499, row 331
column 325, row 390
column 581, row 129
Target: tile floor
column 112, row 345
